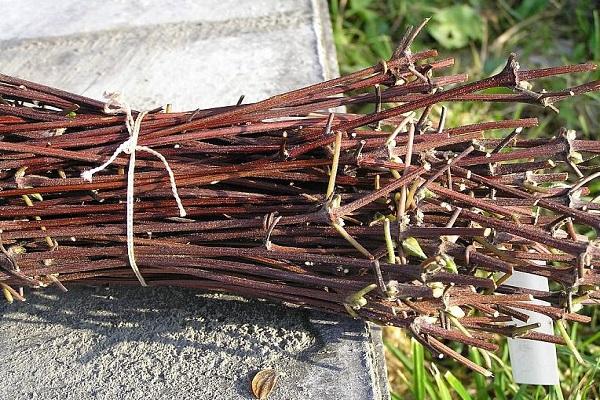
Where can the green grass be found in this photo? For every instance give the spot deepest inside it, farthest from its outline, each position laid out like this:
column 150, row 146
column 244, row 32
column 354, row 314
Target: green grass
column 480, row 35
column 415, row 375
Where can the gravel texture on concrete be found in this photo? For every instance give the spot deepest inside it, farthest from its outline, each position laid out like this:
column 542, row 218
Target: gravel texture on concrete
column 160, row 343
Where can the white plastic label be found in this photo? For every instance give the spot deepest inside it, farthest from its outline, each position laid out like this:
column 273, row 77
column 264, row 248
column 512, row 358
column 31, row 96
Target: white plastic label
column 533, row 362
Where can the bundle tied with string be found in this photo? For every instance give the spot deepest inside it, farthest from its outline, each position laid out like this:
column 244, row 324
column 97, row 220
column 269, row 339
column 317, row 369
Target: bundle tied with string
column 396, row 215
column 113, row 106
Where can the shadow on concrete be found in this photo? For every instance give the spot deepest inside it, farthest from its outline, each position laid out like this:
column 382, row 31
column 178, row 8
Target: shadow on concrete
column 183, row 319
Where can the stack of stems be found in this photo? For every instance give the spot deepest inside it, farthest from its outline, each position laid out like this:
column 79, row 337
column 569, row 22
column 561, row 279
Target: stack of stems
column 390, row 216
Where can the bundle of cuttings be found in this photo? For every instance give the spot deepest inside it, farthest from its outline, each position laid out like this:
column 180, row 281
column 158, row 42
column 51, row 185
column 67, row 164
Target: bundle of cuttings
column 392, row 216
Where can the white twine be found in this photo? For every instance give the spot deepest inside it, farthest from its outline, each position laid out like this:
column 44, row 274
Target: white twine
column 115, row 105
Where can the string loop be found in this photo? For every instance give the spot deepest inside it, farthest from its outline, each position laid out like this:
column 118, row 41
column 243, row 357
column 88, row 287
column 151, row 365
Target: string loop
column 115, row 105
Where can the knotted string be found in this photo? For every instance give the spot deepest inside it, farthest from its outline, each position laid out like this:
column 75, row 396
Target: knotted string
column 115, row 105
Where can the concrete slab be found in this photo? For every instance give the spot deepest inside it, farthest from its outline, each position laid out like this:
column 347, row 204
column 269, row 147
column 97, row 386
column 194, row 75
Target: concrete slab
column 132, row 343
column 163, row 343
column 190, row 54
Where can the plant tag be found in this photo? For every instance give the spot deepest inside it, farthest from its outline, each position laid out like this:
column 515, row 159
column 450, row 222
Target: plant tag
column 533, row 362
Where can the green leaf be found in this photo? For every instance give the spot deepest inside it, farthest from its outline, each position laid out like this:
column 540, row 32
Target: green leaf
column 453, row 27
column 413, row 248
column 360, row 5
column 450, row 265
column 529, row 8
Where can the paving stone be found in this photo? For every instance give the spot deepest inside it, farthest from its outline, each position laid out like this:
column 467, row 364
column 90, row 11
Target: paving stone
column 159, row 343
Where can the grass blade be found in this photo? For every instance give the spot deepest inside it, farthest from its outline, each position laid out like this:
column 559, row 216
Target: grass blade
column 457, row 386
column 480, row 382
column 441, row 385
column 418, row 370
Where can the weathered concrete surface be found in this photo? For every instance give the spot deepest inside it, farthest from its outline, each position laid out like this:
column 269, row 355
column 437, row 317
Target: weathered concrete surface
column 133, row 343
column 192, row 54
column 162, row 343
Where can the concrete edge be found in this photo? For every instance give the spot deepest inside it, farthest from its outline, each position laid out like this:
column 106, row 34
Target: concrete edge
column 327, row 55
column 378, row 357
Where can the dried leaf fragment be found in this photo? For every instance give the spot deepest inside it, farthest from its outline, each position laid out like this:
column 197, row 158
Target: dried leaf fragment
column 263, row 383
